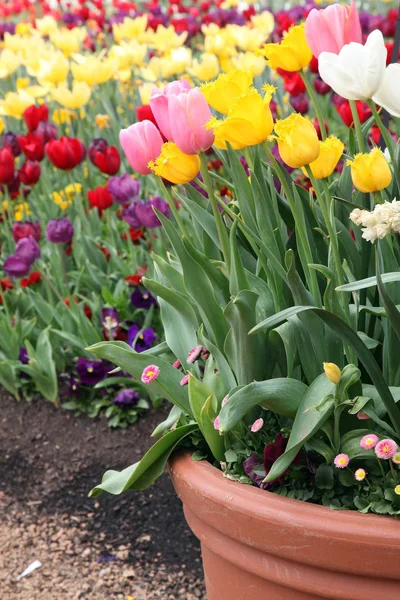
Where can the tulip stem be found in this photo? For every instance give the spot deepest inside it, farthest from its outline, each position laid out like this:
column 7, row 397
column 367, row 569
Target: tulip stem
column 173, row 208
column 357, row 126
column 314, row 100
column 222, row 233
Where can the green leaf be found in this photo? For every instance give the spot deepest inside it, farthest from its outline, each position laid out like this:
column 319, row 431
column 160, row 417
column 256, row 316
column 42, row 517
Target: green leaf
column 282, row 396
column 238, row 280
column 350, row 444
column 166, row 425
column 205, row 409
column 324, row 477
column 313, row 412
column 391, row 311
column 142, row 474
column 167, row 382
column 362, row 284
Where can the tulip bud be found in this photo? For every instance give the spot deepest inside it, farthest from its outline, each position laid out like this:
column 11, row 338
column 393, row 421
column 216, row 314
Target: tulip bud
column 174, row 165
column 298, row 141
column 332, row 372
column 370, row 172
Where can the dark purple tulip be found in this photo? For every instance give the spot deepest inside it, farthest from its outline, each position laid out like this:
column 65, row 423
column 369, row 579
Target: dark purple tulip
column 142, row 298
column 300, row 103
column 97, row 145
column 146, row 215
column 126, row 398
column 10, row 140
column 46, row 131
column 129, row 215
column 23, row 356
column 123, row 189
column 321, row 87
column 89, row 371
column 144, row 341
column 109, row 318
column 16, row 267
column 60, row 231
column 27, row 249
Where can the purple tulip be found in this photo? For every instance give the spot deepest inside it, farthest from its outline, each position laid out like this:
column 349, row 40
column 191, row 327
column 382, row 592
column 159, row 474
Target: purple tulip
column 89, row 371
column 60, row 231
column 144, row 341
column 129, row 215
column 97, row 145
column 126, row 398
column 23, row 356
column 146, row 215
column 10, row 140
column 46, row 131
column 123, row 189
column 300, row 103
column 15, row 267
column 28, row 249
column 142, row 298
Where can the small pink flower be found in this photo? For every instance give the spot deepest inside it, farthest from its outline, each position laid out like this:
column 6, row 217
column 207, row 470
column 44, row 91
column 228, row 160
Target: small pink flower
column 396, row 458
column 194, row 354
column 216, row 423
column 362, row 415
column 225, row 400
column 386, row 449
column 176, row 364
column 150, row 373
column 369, row 441
column 341, row 461
column 257, row 425
column 184, row 380
column 360, row 474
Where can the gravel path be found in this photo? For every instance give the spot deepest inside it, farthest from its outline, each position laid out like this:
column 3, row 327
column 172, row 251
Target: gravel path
column 114, row 548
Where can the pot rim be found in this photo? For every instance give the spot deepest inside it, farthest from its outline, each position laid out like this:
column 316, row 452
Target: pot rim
column 260, row 504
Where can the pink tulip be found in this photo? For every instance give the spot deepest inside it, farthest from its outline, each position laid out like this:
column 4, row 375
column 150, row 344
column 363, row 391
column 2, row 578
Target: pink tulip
column 159, row 104
column 188, row 115
column 141, row 143
column 330, row 29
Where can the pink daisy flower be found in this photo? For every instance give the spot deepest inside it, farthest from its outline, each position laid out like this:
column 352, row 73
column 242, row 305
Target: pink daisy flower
column 341, row 461
column 216, row 423
column 369, row 441
column 362, row 415
column 150, row 373
column 176, row 364
column 396, row 458
column 386, row 449
column 225, row 400
column 184, row 380
column 194, row 354
column 360, row 474
column 257, row 425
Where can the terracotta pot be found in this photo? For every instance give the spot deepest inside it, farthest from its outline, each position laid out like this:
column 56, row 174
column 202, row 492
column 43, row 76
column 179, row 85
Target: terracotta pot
column 259, row 546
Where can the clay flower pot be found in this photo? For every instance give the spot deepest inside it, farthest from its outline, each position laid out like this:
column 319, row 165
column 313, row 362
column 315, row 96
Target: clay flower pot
column 258, row 545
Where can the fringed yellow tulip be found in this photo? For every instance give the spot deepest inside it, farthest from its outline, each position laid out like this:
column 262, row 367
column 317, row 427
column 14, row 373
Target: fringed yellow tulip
column 249, row 122
column 292, row 54
column 222, row 93
column 174, row 165
column 330, row 152
column 370, row 172
column 298, row 141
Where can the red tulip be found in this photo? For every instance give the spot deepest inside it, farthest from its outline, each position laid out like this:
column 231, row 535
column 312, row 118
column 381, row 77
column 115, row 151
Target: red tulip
column 100, row 198
column 32, row 146
column 26, row 229
column 30, row 172
column 7, row 165
column 344, row 111
column 33, row 115
column 33, row 279
column 108, row 160
column 65, row 153
column 294, row 84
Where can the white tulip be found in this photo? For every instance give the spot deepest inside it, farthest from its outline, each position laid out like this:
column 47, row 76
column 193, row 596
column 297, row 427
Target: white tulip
column 388, row 95
column 357, row 72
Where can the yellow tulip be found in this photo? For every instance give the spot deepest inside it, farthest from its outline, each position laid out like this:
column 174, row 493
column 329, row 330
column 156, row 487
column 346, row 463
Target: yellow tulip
column 332, row 372
column 179, row 59
column 205, row 68
column 249, row 122
column 2, row 126
column 298, row 141
column 72, row 99
column 9, row 62
column 292, row 54
column 63, row 116
column 93, row 70
column 130, row 29
column 22, row 83
column 370, row 172
column 248, row 61
column 68, row 40
column 174, row 165
column 47, row 25
column 245, row 38
column 15, row 103
column 222, row 93
column 102, row 121
column 54, row 70
column 330, row 152
column 166, row 38
column 264, row 22
column 23, row 29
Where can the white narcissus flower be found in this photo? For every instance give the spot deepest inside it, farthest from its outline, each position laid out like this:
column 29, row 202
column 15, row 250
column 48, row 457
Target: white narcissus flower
column 388, row 95
column 358, row 71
